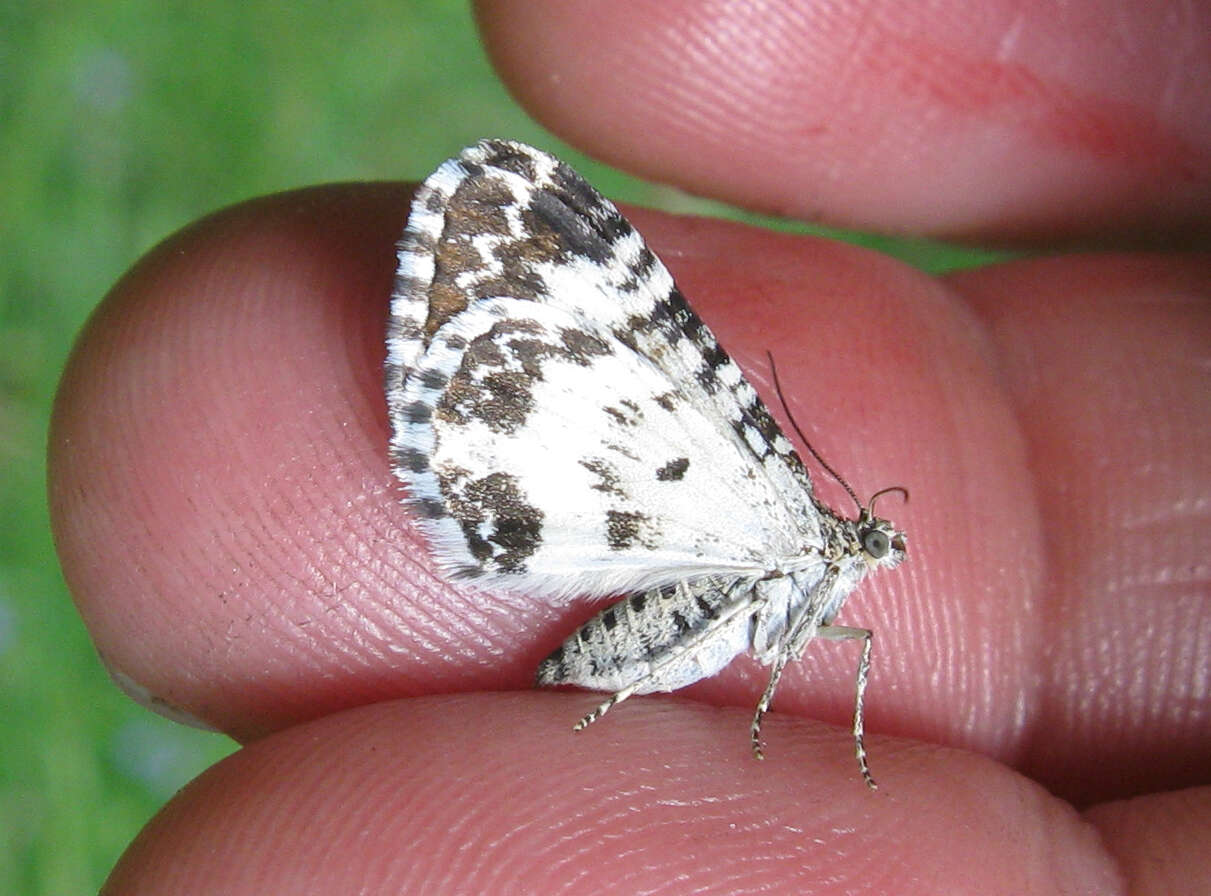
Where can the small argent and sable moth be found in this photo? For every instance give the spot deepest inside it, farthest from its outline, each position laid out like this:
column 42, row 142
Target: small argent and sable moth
column 566, row 425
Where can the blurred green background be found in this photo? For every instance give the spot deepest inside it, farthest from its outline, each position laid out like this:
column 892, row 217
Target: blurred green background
column 121, row 122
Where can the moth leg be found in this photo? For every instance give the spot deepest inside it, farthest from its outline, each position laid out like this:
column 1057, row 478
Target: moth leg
column 675, row 655
column 784, row 656
column 846, row 633
column 617, row 697
column 761, row 647
column 793, row 642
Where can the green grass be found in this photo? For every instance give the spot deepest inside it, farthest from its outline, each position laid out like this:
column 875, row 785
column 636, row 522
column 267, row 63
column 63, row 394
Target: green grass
column 121, row 122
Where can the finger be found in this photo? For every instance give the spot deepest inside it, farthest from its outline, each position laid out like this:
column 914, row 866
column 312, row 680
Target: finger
column 1023, row 124
column 1105, row 362
column 236, row 544
column 484, row 793
column 217, row 468
column 229, row 528
column 1158, row 841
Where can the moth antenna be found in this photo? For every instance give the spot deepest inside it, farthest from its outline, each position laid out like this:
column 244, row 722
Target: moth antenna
column 773, row 369
column 870, row 505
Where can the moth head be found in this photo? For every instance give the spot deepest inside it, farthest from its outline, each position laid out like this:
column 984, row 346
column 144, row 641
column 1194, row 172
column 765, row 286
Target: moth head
column 883, row 545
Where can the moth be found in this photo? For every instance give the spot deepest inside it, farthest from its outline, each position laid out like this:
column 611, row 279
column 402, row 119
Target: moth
column 565, row 424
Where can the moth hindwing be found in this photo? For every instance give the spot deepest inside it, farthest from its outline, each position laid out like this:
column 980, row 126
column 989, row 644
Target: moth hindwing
column 565, row 425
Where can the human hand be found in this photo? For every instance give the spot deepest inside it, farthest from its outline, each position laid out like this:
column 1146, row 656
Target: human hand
column 229, row 526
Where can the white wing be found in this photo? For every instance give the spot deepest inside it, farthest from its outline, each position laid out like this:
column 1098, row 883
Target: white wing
column 564, row 422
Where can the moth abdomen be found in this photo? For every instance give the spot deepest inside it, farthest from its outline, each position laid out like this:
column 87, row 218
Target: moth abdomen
column 671, row 636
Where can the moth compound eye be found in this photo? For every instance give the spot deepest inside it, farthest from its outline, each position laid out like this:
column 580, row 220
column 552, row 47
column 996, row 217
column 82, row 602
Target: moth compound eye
column 876, row 543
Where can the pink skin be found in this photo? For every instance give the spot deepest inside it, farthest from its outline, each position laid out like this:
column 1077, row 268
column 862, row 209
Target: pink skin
column 234, row 539
column 997, row 121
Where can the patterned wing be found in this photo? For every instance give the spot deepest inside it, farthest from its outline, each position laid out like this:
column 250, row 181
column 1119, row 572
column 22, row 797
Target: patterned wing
column 563, row 420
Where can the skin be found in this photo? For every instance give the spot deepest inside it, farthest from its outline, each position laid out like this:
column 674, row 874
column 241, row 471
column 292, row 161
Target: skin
column 1038, row 715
